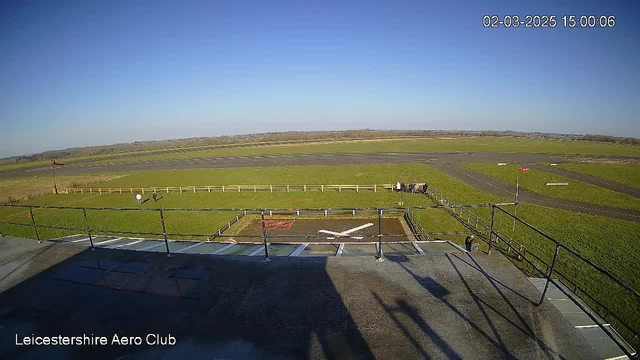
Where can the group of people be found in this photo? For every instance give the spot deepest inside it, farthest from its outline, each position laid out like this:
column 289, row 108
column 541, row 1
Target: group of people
column 139, row 197
column 413, row 187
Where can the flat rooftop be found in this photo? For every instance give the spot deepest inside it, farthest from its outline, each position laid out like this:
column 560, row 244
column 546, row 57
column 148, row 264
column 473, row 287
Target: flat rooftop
column 449, row 305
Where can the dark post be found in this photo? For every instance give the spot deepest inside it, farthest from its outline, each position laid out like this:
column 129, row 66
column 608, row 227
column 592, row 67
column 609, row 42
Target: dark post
column 553, row 265
column 164, row 232
column 33, row 221
column 86, row 221
column 379, row 257
column 53, row 171
column 264, row 237
column 493, row 217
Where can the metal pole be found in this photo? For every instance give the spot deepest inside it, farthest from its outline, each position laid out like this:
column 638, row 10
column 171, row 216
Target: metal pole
column 86, row 221
column 493, row 217
column 33, row 221
column 553, row 265
column 515, row 208
column 379, row 257
column 55, row 187
column 164, row 232
column 264, row 237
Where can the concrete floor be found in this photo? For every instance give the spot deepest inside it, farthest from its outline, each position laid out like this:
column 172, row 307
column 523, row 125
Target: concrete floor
column 438, row 306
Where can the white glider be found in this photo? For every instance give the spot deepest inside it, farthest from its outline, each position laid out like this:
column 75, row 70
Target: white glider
column 346, row 233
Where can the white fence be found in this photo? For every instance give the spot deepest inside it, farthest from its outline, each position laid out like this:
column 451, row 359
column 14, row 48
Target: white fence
column 229, row 188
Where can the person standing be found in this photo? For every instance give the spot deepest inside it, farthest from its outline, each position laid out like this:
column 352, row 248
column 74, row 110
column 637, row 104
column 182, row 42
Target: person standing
column 139, row 199
column 398, row 186
column 155, row 196
column 468, row 242
column 424, row 187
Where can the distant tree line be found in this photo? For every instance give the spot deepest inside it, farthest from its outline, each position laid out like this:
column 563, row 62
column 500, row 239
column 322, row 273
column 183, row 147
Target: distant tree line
column 299, row 136
column 611, row 139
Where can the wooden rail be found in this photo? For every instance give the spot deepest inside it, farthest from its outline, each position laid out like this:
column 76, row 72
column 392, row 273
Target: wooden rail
column 228, row 188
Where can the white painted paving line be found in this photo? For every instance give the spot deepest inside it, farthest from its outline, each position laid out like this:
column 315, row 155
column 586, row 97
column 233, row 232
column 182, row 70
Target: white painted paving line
column 106, row 241
column 153, row 246
column 415, row 245
column 189, row 247
column 75, row 241
column 340, row 250
column 222, row 249
column 123, row 245
column 590, row 326
column 299, row 250
column 258, row 250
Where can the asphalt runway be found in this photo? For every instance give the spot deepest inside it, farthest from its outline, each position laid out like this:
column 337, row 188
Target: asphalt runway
column 442, row 161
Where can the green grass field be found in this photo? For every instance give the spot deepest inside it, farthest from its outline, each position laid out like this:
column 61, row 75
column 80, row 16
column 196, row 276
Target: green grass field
column 608, row 242
column 626, row 174
column 535, row 180
column 476, row 144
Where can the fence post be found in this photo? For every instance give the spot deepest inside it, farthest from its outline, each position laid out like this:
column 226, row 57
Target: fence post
column 493, row 216
column 90, row 190
column 271, row 188
column 553, row 265
column 254, row 188
column 120, row 190
column 167, row 189
column 33, row 221
column 305, row 188
column 86, row 221
column 143, row 191
column 238, row 188
column 264, row 237
column 321, row 188
column 131, row 190
column 287, row 188
column 339, row 188
column 375, row 188
column 180, row 189
column 194, row 189
column 164, row 232
column 209, row 188
column 379, row 256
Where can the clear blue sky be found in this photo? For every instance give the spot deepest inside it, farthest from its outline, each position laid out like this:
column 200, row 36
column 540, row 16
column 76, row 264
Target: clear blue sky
column 100, row 72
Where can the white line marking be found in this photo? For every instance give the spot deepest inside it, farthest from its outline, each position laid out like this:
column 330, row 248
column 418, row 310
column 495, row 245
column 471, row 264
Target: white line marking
column 75, row 241
column 123, row 245
column 106, row 241
column 457, row 246
column 590, row 326
column 415, row 245
column 222, row 249
column 340, row 250
column 299, row 250
column 189, row 247
column 258, row 250
column 153, row 246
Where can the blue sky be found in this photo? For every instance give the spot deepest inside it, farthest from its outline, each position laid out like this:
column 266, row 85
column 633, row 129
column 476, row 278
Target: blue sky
column 97, row 72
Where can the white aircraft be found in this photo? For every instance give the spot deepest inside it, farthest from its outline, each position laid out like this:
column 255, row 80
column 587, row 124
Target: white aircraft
column 346, row 233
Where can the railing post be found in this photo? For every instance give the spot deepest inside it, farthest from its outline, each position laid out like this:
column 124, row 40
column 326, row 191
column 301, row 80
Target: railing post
column 164, row 232
column 180, row 189
column 194, row 189
column 238, row 188
column 222, row 188
column 493, row 217
column 271, row 188
column 86, row 221
column 305, row 188
column 375, row 188
column 321, row 188
column 553, row 265
column 120, row 190
column 33, row 221
column 287, row 188
column 209, row 188
column 264, row 237
column 379, row 256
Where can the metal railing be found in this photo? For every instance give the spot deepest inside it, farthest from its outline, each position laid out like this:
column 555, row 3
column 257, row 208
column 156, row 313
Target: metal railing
column 227, row 188
column 506, row 245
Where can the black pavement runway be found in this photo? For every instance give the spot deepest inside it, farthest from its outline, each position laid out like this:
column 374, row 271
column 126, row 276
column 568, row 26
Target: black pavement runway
column 500, row 188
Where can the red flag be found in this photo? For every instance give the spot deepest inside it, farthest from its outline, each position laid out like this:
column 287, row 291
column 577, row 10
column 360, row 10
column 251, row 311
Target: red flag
column 53, row 162
column 524, row 169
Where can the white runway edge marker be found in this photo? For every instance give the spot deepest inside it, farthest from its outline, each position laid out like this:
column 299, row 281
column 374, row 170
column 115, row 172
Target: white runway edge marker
column 189, row 247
